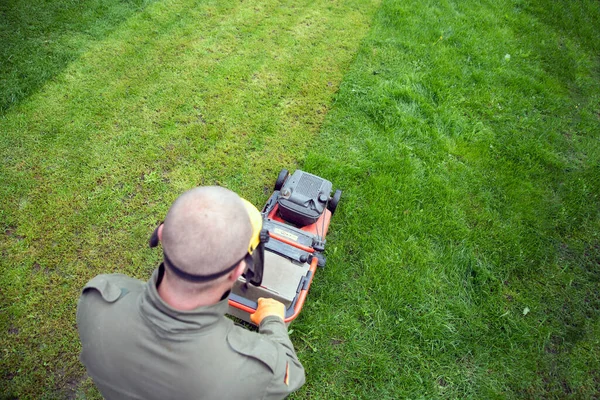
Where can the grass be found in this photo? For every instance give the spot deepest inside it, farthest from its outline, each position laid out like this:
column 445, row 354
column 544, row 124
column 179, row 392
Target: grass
column 39, row 42
column 463, row 260
column 179, row 94
column 466, row 252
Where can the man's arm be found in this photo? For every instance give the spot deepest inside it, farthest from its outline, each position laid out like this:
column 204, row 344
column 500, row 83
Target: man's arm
column 289, row 374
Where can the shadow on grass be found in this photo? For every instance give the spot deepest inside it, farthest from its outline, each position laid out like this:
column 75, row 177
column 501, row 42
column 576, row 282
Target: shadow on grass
column 38, row 40
column 578, row 20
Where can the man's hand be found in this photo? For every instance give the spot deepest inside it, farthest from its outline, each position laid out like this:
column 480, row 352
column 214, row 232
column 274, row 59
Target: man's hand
column 267, row 307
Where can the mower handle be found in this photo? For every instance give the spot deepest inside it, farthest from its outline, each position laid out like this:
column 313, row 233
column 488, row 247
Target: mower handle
column 250, row 306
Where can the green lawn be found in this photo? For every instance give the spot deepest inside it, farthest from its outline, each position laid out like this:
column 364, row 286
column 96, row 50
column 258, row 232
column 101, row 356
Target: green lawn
column 464, row 258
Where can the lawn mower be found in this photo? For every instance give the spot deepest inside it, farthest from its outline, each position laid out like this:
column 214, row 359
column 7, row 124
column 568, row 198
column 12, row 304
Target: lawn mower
column 295, row 221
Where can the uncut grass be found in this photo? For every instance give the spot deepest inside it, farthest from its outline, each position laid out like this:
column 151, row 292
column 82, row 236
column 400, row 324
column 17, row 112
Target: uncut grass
column 182, row 93
column 464, row 258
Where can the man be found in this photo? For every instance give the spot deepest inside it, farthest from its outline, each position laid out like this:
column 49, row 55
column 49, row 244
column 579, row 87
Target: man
column 168, row 338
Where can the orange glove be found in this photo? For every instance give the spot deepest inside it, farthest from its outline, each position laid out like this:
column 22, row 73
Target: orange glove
column 267, row 307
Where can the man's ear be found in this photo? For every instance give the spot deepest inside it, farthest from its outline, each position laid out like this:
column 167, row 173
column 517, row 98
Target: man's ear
column 238, row 271
column 159, row 231
column 156, row 236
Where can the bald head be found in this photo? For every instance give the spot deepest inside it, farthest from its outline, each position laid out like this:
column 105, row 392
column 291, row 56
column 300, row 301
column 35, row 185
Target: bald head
column 207, row 230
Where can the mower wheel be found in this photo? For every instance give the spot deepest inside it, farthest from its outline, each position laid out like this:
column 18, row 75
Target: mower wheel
column 281, row 178
column 333, row 203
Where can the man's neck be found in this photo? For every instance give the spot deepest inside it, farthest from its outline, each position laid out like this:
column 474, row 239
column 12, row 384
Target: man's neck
column 184, row 302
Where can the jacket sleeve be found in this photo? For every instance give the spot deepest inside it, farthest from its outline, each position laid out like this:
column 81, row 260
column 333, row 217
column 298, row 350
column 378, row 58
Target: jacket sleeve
column 289, row 374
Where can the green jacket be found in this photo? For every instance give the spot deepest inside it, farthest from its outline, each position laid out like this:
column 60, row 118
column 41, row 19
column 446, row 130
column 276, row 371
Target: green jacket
column 135, row 346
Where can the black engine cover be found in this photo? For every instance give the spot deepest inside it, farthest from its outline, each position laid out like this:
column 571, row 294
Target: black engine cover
column 303, row 198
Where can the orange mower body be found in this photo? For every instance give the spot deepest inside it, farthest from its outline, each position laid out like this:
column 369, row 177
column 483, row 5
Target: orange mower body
column 296, row 217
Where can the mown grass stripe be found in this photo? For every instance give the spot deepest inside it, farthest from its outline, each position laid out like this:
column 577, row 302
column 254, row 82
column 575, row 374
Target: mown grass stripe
column 180, row 94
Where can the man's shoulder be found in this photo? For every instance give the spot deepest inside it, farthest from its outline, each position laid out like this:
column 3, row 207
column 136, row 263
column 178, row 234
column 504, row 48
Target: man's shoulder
column 112, row 287
column 253, row 345
column 107, row 292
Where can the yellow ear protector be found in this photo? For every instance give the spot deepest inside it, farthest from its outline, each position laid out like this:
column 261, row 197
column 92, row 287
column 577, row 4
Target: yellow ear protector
column 256, row 222
column 256, row 247
column 254, row 257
